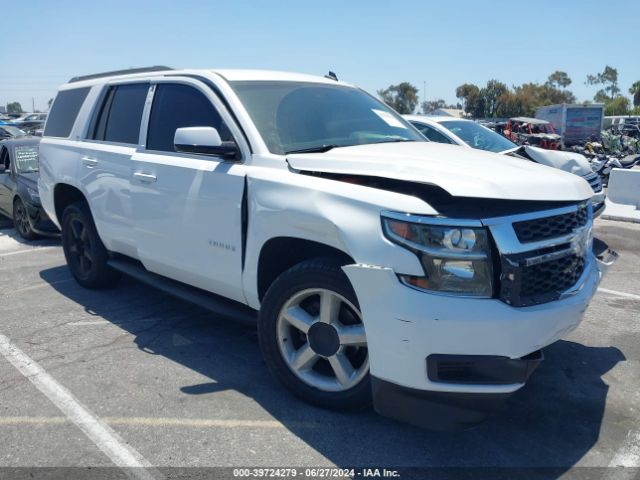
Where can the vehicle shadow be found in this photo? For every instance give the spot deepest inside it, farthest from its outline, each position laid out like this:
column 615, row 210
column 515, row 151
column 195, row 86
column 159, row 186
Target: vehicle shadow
column 5, row 223
column 7, row 232
column 552, row 422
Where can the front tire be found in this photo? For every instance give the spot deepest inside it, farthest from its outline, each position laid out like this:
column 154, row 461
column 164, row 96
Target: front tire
column 312, row 336
column 21, row 220
column 85, row 253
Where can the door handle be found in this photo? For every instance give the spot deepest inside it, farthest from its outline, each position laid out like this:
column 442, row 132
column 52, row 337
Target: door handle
column 145, row 177
column 89, row 161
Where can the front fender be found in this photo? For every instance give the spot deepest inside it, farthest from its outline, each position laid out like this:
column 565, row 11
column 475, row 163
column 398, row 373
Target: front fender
column 337, row 214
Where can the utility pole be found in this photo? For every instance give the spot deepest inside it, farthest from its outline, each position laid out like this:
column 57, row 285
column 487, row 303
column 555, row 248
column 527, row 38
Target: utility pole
column 424, row 93
column 33, row 104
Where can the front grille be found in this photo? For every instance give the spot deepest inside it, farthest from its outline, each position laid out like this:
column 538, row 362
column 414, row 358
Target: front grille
column 542, row 256
column 550, row 227
column 594, row 181
column 553, row 276
column 523, row 285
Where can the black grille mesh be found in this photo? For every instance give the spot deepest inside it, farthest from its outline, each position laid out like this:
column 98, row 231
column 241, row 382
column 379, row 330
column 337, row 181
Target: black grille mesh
column 550, row 227
column 594, row 182
column 553, row 276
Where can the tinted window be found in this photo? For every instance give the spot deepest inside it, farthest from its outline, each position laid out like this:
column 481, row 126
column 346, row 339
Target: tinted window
column 121, row 113
column 64, row 112
column 431, row 133
column 178, row 106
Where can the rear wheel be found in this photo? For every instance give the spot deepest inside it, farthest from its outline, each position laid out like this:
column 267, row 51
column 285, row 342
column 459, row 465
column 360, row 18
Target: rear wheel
column 312, row 336
column 21, row 220
column 85, row 253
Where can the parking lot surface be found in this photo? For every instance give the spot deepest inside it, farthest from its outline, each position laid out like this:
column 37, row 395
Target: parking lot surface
column 171, row 385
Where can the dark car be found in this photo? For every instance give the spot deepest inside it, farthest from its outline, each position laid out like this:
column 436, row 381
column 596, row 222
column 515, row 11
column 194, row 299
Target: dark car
column 19, row 199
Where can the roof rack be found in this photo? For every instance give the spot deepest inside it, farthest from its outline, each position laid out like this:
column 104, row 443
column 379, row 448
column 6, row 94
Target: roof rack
column 157, row 68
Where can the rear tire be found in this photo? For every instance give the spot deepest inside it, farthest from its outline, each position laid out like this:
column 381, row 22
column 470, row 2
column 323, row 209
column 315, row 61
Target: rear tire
column 312, row 336
column 21, row 220
column 85, row 253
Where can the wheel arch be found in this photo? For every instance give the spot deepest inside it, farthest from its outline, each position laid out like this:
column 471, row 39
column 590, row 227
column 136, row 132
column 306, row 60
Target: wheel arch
column 278, row 254
column 64, row 195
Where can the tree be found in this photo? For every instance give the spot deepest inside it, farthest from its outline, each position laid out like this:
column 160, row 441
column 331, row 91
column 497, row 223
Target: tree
column 608, row 78
column 635, row 91
column 470, row 96
column 433, row 105
column 558, row 79
column 14, row 107
column 403, row 98
column 617, row 106
column 491, row 93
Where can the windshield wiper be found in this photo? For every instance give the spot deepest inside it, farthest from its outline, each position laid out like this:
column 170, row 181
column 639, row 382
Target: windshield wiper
column 319, row 149
column 396, row 140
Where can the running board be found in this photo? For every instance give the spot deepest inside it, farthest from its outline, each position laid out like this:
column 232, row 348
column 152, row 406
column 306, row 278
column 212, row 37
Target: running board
column 207, row 300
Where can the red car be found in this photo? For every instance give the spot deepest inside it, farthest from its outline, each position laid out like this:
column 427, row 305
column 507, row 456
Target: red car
column 532, row 131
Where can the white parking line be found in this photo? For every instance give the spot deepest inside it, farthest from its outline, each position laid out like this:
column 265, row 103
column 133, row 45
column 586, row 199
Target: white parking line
column 619, row 294
column 629, row 454
column 103, row 436
column 27, row 250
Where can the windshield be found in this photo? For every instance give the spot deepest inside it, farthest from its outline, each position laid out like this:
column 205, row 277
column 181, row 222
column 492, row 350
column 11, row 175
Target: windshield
column 26, row 158
column 477, row 136
column 302, row 116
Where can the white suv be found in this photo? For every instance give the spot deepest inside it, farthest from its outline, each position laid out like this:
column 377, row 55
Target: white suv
column 424, row 278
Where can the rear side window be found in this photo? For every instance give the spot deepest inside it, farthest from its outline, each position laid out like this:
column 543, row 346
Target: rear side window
column 64, row 112
column 176, row 106
column 118, row 118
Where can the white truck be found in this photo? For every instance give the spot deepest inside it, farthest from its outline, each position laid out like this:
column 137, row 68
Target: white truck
column 575, row 123
column 382, row 268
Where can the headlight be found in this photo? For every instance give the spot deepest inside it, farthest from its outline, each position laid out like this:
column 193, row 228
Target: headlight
column 456, row 259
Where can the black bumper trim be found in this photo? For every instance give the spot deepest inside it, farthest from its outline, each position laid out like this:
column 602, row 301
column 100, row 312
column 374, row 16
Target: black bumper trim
column 482, row 369
column 444, row 411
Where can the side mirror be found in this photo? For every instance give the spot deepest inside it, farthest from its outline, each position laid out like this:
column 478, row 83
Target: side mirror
column 204, row 141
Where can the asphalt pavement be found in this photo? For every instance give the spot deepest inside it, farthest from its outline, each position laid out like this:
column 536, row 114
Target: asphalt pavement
column 99, row 378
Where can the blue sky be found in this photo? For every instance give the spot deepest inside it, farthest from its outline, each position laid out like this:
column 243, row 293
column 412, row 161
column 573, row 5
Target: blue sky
column 370, row 43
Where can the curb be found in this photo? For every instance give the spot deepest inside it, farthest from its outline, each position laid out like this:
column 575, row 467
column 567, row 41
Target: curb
column 619, row 218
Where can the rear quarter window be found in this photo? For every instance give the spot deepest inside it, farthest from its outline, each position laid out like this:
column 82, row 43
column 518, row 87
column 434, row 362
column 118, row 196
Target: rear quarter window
column 64, row 112
column 119, row 117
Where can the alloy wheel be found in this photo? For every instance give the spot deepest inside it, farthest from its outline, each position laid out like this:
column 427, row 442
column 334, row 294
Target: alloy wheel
column 80, row 247
column 22, row 220
column 322, row 339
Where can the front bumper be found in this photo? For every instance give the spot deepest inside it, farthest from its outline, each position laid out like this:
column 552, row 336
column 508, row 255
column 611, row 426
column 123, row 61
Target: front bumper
column 405, row 326
column 445, row 411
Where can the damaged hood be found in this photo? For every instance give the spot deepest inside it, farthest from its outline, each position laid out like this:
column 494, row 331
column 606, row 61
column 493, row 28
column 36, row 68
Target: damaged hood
column 463, row 172
column 571, row 162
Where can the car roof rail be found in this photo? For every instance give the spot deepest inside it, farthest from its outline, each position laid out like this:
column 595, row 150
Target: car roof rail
column 156, row 68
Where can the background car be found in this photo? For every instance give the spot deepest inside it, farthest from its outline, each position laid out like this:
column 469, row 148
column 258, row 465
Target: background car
column 9, row 131
column 532, row 131
column 30, row 122
column 467, row 133
column 19, row 199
